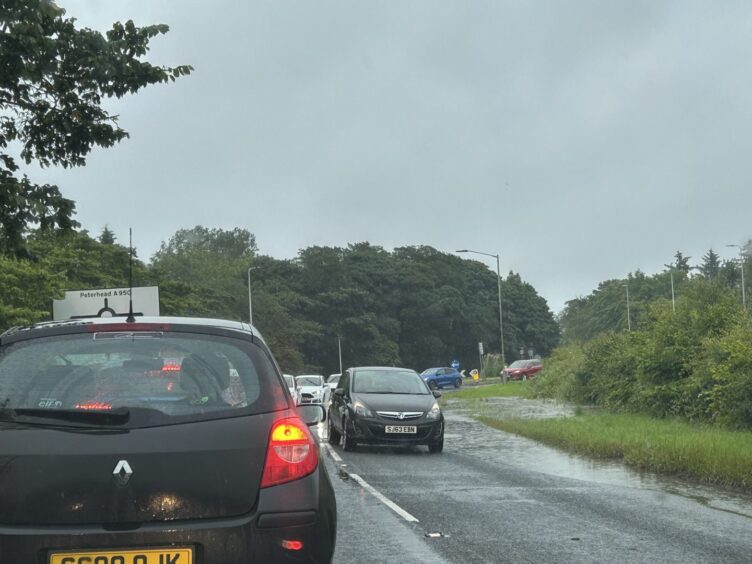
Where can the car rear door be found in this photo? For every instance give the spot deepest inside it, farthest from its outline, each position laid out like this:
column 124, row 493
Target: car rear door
column 339, row 405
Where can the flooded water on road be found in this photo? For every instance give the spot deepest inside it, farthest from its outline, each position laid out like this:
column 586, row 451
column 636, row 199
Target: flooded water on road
column 466, row 434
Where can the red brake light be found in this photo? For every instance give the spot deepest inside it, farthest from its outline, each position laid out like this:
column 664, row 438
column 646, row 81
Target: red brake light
column 292, row 544
column 94, row 406
column 171, row 368
column 292, row 453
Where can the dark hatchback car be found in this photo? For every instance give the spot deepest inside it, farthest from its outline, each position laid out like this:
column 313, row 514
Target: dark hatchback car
column 168, row 440
column 386, row 406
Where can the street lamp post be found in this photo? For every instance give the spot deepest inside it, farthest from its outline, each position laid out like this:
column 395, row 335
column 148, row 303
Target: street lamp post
column 498, row 284
column 629, row 319
column 339, row 347
column 673, row 298
column 250, row 297
column 741, row 256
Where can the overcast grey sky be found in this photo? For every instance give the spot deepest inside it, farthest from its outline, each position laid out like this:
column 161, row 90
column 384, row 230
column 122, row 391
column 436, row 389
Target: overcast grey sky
column 582, row 140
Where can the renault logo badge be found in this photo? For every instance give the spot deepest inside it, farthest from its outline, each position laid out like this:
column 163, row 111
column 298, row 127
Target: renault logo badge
column 122, row 473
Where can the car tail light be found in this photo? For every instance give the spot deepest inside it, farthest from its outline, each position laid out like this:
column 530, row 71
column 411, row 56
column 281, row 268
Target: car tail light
column 94, row 406
column 292, row 544
column 292, row 453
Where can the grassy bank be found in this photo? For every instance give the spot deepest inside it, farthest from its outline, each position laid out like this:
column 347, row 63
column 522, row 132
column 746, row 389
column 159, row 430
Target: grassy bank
column 490, row 391
column 667, row 446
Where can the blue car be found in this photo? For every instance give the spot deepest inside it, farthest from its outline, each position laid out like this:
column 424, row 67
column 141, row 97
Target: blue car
column 440, row 377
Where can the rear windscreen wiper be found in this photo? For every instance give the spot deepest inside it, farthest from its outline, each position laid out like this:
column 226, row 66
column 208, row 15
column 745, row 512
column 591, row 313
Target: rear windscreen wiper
column 116, row 416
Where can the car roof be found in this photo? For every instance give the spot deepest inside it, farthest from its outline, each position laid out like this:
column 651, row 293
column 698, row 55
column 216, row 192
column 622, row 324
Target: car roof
column 384, row 368
column 240, row 326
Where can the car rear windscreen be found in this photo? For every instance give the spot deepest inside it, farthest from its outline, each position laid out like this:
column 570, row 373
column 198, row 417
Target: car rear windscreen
column 388, row 382
column 165, row 378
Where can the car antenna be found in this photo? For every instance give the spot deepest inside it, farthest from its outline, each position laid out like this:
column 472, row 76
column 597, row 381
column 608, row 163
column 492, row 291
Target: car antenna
column 130, row 318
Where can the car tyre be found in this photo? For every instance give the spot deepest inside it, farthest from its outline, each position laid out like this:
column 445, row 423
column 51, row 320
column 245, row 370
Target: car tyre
column 432, row 384
column 437, row 447
column 333, row 435
column 347, row 441
column 457, row 382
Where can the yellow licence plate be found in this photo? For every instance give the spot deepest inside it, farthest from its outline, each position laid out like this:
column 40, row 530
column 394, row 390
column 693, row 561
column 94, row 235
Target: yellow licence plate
column 145, row 556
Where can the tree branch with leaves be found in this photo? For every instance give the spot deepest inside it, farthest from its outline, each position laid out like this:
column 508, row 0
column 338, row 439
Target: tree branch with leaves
column 53, row 79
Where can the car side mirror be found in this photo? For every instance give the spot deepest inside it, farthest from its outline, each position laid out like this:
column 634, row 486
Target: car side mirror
column 339, row 392
column 437, row 394
column 311, row 414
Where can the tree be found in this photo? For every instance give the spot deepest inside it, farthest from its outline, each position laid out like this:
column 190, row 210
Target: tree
column 53, row 77
column 210, row 261
column 681, row 263
column 711, row 265
column 107, row 237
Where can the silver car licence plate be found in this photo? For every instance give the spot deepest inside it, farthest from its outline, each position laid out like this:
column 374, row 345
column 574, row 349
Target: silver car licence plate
column 401, row 429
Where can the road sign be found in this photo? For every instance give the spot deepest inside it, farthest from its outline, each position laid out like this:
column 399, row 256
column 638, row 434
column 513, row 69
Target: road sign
column 480, row 348
column 108, row 301
column 455, row 364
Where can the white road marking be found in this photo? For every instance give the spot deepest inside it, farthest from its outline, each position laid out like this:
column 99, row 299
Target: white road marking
column 383, row 499
column 368, row 487
column 336, row 457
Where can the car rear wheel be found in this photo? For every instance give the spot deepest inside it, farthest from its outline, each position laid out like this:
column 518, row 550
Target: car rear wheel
column 458, row 382
column 332, row 433
column 432, row 384
column 437, row 446
column 347, row 441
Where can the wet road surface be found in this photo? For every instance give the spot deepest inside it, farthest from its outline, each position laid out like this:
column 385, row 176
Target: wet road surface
column 495, row 497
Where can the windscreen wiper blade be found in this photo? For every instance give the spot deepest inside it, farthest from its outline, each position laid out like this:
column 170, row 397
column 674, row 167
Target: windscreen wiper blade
column 117, row 416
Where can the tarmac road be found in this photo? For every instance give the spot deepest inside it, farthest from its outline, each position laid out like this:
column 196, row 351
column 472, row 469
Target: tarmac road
column 494, row 497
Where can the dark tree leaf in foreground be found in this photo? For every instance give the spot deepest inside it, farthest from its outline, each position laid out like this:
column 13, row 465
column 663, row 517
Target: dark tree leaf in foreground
column 53, row 78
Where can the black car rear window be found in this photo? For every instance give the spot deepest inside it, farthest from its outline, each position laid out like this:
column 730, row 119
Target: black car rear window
column 163, row 377
column 388, row 382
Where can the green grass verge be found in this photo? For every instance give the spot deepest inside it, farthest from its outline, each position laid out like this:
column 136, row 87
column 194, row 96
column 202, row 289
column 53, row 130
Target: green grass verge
column 666, row 446
column 490, row 391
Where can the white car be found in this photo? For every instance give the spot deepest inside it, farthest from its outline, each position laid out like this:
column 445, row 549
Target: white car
column 332, row 382
column 293, row 387
column 313, row 389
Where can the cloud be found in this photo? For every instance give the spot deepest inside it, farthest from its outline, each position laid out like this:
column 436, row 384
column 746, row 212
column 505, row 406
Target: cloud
column 581, row 140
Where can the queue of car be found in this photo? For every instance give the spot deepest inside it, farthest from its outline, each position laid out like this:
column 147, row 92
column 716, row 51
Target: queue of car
column 177, row 440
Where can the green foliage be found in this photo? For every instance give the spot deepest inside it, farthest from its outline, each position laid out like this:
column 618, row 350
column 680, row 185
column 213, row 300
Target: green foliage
column 414, row 306
column 727, row 372
column 213, row 260
column 711, row 265
column 492, row 366
column 559, row 379
column 695, row 363
column 26, row 291
column 605, row 309
column 53, row 79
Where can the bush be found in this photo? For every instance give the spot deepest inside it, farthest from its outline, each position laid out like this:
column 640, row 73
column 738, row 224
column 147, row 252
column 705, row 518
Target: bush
column 492, row 366
column 728, row 361
column 558, row 379
column 695, row 363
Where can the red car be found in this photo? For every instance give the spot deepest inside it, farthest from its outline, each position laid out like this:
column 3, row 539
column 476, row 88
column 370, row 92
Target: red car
column 523, row 369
